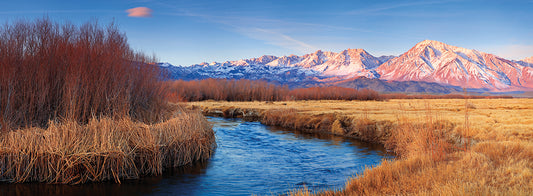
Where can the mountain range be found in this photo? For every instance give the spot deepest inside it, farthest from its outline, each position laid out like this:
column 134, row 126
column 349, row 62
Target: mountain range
column 528, row 62
column 430, row 66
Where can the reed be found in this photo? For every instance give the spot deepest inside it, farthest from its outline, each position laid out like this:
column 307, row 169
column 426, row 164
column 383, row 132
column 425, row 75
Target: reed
column 103, row 149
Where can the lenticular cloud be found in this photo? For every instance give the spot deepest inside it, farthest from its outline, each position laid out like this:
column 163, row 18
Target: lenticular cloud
column 139, row 12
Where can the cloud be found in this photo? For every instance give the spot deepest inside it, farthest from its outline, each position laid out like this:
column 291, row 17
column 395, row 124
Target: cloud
column 273, row 32
column 275, row 38
column 140, row 12
column 394, row 6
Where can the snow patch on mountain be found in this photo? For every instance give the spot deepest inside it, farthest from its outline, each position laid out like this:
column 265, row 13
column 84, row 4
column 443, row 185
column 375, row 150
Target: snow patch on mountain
column 528, row 62
column 348, row 63
column 165, row 64
column 433, row 61
column 385, row 58
column 428, row 61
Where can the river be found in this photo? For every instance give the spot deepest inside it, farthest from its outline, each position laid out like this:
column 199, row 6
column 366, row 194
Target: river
column 251, row 158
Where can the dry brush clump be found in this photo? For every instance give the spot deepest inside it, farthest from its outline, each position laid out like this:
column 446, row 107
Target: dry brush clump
column 103, row 149
column 431, row 138
column 292, row 119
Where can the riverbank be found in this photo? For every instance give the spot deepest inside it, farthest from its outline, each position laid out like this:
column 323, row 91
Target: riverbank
column 444, row 146
column 103, row 149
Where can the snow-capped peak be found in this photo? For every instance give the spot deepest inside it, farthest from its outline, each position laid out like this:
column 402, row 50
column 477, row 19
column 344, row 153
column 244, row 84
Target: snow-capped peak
column 349, row 63
column 528, row 60
column 442, row 47
column 427, row 61
column 165, row 64
column 429, row 43
column 434, row 61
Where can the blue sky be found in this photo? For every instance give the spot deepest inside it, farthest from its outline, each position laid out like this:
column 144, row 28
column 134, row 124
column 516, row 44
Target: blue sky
column 185, row 32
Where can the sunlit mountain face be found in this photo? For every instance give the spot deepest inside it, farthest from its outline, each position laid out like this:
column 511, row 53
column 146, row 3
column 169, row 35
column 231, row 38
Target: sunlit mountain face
column 430, row 66
column 433, row 61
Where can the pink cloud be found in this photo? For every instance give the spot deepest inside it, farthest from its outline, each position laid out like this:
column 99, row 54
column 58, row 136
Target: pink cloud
column 139, row 12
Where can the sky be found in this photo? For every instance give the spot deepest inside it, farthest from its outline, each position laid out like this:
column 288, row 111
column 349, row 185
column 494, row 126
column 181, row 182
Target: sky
column 185, row 32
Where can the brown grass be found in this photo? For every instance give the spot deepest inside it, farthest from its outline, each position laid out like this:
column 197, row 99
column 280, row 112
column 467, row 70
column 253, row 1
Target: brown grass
column 489, row 168
column 293, row 120
column 444, row 147
column 492, row 119
column 103, row 149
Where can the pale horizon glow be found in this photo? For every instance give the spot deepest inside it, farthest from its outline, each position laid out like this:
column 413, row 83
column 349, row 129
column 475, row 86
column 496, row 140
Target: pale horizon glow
column 185, row 32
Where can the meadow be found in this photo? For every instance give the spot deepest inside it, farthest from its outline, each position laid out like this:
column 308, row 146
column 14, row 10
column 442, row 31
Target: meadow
column 443, row 146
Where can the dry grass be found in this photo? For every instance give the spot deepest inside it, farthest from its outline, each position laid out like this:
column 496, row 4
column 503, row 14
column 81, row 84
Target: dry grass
column 444, row 147
column 104, row 149
column 489, row 168
column 491, row 119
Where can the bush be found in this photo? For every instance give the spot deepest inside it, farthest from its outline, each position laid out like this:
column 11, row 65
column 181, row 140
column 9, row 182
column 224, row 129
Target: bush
column 250, row 90
column 52, row 71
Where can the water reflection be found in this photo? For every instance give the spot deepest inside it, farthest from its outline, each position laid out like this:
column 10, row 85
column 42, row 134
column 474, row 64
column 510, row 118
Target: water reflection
column 148, row 185
column 250, row 159
column 334, row 140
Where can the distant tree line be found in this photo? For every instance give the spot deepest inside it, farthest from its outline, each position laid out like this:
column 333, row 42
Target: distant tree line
column 257, row 90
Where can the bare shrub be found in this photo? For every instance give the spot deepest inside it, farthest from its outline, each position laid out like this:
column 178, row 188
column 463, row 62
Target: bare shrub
column 51, row 71
column 250, row 90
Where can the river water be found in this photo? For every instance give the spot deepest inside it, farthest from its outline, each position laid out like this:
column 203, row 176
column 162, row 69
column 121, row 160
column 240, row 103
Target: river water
column 251, row 158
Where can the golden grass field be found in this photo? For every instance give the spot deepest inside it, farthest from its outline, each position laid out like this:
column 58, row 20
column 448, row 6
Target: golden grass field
column 489, row 119
column 492, row 153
